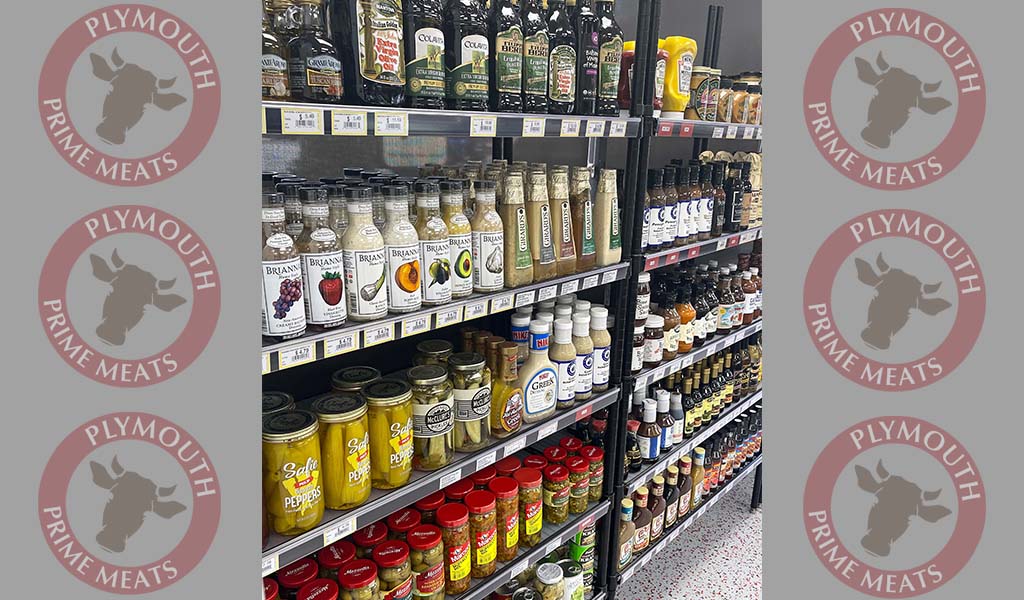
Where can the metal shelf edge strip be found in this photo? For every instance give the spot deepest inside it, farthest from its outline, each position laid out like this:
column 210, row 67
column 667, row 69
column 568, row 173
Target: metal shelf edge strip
column 671, row 256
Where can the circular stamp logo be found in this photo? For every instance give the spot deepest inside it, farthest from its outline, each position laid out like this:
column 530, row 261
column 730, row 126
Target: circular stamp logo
column 129, row 296
column 129, row 503
column 129, row 94
column 894, row 300
column 894, row 507
column 894, row 98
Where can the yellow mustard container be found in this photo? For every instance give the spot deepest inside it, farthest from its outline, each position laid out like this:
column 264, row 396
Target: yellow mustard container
column 682, row 51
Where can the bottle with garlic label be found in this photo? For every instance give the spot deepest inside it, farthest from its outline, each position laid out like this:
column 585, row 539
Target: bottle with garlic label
column 284, row 314
column 365, row 262
column 323, row 286
column 460, row 238
column 435, row 247
column 518, row 265
column 538, row 218
column 584, row 356
column 558, row 198
column 402, row 247
column 563, row 354
column 488, row 241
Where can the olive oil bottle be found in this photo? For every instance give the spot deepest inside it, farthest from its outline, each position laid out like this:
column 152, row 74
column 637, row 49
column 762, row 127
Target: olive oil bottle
column 506, row 68
column 424, row 54
column 467, row 54
column 314, row 69
column 609, row 58
column 561, row 60
column 535, row 57
column 368, row 34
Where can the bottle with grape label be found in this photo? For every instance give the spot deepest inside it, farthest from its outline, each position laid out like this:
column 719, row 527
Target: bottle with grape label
column 609, row 58
column 424, row 54
column 588, row 57
column 561, row 60
column 284, row 314
column 506, row 69
column 466, row 56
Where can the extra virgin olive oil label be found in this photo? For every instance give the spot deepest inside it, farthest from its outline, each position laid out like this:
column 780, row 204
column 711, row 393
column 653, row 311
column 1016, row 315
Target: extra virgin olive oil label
column 425, row 71
column 468, row 81
column 488, row 256
column 437, row 284
column 562, row 74
column 432, row 420
column 284, row 312
column 365, row 274
column 380, row 41
column 274, row 77
column 508, row 47
column 609, row 65
column 323, row 286
column 535, row 64
column 404, row 277
column 462, row 263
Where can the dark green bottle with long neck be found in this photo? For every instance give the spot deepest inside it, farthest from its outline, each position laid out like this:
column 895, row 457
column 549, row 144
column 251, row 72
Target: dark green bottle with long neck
column 424, row 54
column 536, row 47
column 561, row 60
column 368, row 35
column 609, row 58
column 314, row 69
column 506, row 69
column 466, row 55
column 588, row 57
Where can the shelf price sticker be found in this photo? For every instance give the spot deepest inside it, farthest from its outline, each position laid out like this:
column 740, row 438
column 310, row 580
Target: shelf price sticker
column 590, row 282
column 448, row 317
column 450, row 478
column 518, row 568
column 378, row 335
column 660, row 546
column 390, row 124
column 525, row 298
column 693, row 252
column 487, row 460
column 718, row 132
column 748, row 236
column 665, row 129
column 570, row 128
column 584, row 412
column 266, row 363
column 475, row 310
column 587, row 522
column 501, row 303
column 348, row 122
column 748, row 133
column 730, row 134
column 514, row 446
column 687, row 361
column 672, row 259
column 483, row 126
column 339, row 531
column 595, row 128
column 570, row 287
column 609, row 277
column 760, row 132
column 617, row 129
column 415, row 325
column 675, row 533
column 340, row 345
column 652, row 263
column 686, row 130
column 533, row 127
column 628, row 574
column 263, row 113
column 269, row 564
column 552, row 546
column 297, row 121
column 547, row 293
column 548, row 430
column 720, row 245
column 294, row 357
column 733, row 241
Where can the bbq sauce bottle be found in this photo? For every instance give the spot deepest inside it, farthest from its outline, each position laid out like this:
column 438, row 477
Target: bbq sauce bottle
column 588, row 59
column 466, row 55
column 368, row 34
column 424, row 54
column 561, row 60
column 535, row 58
column 609, row 58
column 314, row 70
column 506, row 69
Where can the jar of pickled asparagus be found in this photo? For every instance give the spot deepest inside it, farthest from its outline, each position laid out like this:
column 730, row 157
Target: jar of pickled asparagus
column 292, row 489
column 390, row 414
column 344, row 449
column 471, row 383
column 353, row 379
column 433, row 417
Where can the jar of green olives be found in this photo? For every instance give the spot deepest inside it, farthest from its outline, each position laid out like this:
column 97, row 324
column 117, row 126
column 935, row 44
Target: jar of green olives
column 549, row 582
column 426, row 555
column 428, row 507
column 556, row 494
column 433, row 352
column 368, row 538
column 394, row 571
column 359, row 581
column 579, row 483
column 270, row 589
column 433, row 417
column 319, row 589
column 294, row 576
column 401, row 522
column 471, row 381
column 332, row 558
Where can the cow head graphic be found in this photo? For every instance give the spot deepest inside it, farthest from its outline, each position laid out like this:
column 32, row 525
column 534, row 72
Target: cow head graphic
column 132, row 289
column 896, row 500
column 132, row 497
column 896, row 292
column 132, row 89
column 896, row 93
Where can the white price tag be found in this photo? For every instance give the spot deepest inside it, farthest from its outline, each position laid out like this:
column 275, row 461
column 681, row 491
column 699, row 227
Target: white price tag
column 297, row 121
column 338, row 531
column 514, row 446
column 344, row 122
column 378, row 335
column 629, row 573
column 660, row 546
column 760, row 132
column 448, row 317
column 415, row 325
column 340, row 345
column 390, row 124
column 718, row 132
column 687, row 361
column 595, row 128
column 687, row 523
column 269, row 564
column 748, row 133
column 675, row 533
column 501, row 303
column 646, row 559
column 618, row 129
column 451, row 478
column 608, row 277
column 518, row 568
column 757, row 327
column 486, row 460
column 485, row 126
column 525, row 298
column 266, row 363
column 747, row 236
column 570, row 287
column 730, row 134
column 547, row 430
column 721, row 244
column 590, row 282
column 533, row 127
column 294, row 357
column 547, row 293
column 552, row 546
column 570, row 128
column 476, row 310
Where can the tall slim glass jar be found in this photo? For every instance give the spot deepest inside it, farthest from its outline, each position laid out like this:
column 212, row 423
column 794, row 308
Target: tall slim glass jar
column 435, row 247
column 488, row 241
column 402, row 246
column 582, row 219
column 460, row 238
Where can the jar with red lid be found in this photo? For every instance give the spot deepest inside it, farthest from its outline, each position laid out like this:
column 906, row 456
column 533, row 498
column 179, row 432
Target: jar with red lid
column 556, row 494
column 507, row 466
column 506, row 497
column 291, row 578
column 319, row 589
column 454, row 521
column 334, row 557
column 535, row 461
column 579, row 483
column 482, row 477
column 367, row 538
column 483, row 532
column 394, row 571
column 457, row 491
column 426, row 555
column 401, row 521
column 555, row 455
column 359, row 580
column 531, row 506
column 428, row 507
column 570, row 444
column 596, row 457
column 270, row 589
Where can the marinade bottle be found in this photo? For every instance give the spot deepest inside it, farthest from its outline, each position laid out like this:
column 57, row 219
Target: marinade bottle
column 368, row 34
column 273, row 63
column 424, row 54
column 535, row 58
column 561, row 60
column 466, row 55
column 506, row 69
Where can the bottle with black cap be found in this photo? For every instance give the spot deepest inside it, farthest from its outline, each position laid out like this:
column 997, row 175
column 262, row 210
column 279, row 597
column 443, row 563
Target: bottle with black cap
column 268, row 181
column 314, row 68
column 718, row 208
column 506, row 32
column 365, row 264
column 655, row 235
column 561, row 60
column 670, row 226
column 323, row 289
column 733, row 199
column 707, row 196
column 402, row 252
column 284, row 314
column 292, row 205
column 587, row 63
column 377, row 183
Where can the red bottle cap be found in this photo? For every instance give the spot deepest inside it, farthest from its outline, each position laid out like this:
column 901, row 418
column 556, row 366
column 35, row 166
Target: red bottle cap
column 452, row 515
column 431, row 502
column 319, row 589
column 577, row 464
column 480, row 501
column 570, row 444
column 592, row 453
column 336, row 555
column 403, row 520
column 503, row 488
column 298, row 574
column 391, row 554
column 371, row 535
column 269, row 589
column 535, row 461
column 528, row 478
column 484, row 476
column 556, row 473
column 458, row 490
column 507, row 466
column 555, row 455
column 424, row 537
column 358, row 574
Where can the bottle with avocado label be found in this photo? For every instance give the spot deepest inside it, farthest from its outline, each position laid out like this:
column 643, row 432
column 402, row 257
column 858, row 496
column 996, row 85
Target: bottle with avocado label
column 506, row 70
column 588, row 57
column 535, row 57
column 368, row 34
column 561, row 60
column 609, row 58
column 467, row 54
column 424, row 54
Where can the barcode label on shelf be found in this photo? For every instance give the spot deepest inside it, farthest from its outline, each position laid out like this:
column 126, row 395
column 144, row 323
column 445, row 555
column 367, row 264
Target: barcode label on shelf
column 748, row 133
column 485, row 126
column 608, row 277
column 660, row 546
column 518, row 568
column 595, row 128
column 675, row 534
column 590, row 282
column 721, row 244
column 263, row 113
column 451, row 478
column 514, row 446
column 266, row 363
column 547, row 293
column 294, row 357
column 718, row 132
column 552, row 546
column 344, row 122
column 389, row 124
column 618, row 129
column 747, row 236
column 570, row 287
column 547, row 430
column 339, row 531
column 340, row 345
column 415, row 325
column 730, row 134
column 501, row 304
column 486, row 460
column 268, row 564
column 570, row 128
column 687, row 361
column 296, row 121
column 759, row 132
column 476, row 310
column 448, row 317
column 378, row 335
column 525, row 298
column 533, row 127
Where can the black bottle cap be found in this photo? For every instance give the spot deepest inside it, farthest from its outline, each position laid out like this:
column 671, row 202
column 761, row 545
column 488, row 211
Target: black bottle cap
column 682, row 174
column 367, row 174
column 358, row 192
column 291, row 188
column 426, row 187
column 654, row 178
column 332, row 180
column 279, row 177
column 705, row 172
column 484, row 184
column 669, row 177
column 334, row 190
column 269, row 176
column 379, row 180
column 273, row 198
column 451, row 185
column 311, row 194
column 391, row 191
column 352, row 171
column 745, row 169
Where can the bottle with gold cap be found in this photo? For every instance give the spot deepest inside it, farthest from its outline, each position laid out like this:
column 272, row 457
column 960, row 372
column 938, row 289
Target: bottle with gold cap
column 507, row 396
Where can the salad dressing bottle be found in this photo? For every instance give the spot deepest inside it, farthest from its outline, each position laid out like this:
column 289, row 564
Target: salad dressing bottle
column 584, row 356
column 538, row 217
column 507, row 396
column 488, row 241
column 537, row 377
column 435, row 248
column 561, row 220
column 518, row 256
column 323, row 287
column 602, row 341
column 608, row 238
column 582, row 219
column 460, row 238
column 402, row 245
column 284, row 316
column 365, row 264
column 563, row 354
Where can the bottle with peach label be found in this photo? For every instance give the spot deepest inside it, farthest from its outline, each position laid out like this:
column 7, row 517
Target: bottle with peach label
column 402, row 249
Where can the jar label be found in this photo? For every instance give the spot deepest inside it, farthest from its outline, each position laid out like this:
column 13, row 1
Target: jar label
column 540, row 391
column 653, row 350
column 425, row 71
column 562, row 75
column 602, row 365
column 402, row 591
column 580, row 488
column 584, row 373
column 473, row 405
column 486, row 546
column 655, row 233
column 461, row 263
column 556, row 498
column 365, row 274
column 641, row 538
column 616, row 238
column 678, row 431
column 643, row 306
column 458, row 562
column 535, row 64
column 358, row 459
column 566, row 248
column 432, row 420
column 546, row 252
column 523, row 258
column 670, row 514
column 404, row 276
column 512, row 416
column 666, row 437
column 468, row 80
column 657, row 524
column 671, row 226
column 659, row 78
column 685, row 66
column 566, row 381
column 430, row 581
column 588, row 244
column 686, row 335
column 488, row 260
column 436, row 257
column 274, row 77
column 380, row 41
column 650, row 447
column 610, row 64
column 302, row 485
column 533, row 516
column 512, row 530
column 625, row 553
column 401, row 445
column 323, row 288
column 671, row 340
column 508, row 49
column 638, row 358
column 684, row 503
column 321, row 71
column 284, row 313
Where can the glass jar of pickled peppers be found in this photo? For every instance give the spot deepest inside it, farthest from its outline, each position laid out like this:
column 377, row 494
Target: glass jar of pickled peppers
column 389, row 409
column 344, row 449
column 292, row 490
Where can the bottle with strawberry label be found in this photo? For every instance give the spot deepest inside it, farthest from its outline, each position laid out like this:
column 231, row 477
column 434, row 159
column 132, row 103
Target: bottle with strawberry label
column 284, row 314
column 323, row 285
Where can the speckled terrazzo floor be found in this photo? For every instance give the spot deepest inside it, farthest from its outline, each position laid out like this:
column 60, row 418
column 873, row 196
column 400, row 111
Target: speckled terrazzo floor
column 717, row 558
